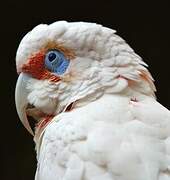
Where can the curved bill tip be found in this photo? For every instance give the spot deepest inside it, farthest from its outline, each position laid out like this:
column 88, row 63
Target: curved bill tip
column 21, row 101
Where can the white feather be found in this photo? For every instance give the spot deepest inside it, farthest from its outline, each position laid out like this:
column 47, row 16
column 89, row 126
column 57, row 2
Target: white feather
column 116, row 130
column 112, row 138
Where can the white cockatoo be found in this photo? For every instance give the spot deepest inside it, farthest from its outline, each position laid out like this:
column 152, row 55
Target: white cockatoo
column 93, row 100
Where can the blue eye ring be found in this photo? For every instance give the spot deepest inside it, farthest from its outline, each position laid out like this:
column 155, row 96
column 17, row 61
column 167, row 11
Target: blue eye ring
column 56, row 62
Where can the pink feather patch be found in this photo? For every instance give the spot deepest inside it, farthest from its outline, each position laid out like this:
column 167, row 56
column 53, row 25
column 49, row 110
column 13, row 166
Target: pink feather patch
column 36, row 68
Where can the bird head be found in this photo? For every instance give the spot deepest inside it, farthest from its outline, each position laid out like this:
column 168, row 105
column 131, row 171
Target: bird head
column 63, row 63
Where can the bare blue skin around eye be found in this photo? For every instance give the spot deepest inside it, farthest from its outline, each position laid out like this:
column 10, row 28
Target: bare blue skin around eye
column 62, row 68
column 59, row 65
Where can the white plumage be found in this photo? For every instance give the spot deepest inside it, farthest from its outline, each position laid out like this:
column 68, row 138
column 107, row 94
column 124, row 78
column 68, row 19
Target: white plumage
column 116, row 129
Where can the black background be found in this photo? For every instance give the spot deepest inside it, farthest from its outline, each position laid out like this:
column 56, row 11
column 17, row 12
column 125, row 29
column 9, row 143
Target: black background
column 144, row 26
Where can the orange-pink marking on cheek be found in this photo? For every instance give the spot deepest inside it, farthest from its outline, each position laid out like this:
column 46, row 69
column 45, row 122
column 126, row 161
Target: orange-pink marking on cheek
column 36, row 68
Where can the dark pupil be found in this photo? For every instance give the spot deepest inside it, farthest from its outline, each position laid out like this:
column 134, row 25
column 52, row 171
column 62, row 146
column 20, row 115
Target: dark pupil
column 51, row 56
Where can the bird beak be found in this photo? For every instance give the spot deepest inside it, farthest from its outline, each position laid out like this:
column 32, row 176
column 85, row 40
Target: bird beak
column 21, row 94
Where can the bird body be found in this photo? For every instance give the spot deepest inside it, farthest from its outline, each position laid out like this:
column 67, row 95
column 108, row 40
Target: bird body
column 111, row 138
column 94, row 103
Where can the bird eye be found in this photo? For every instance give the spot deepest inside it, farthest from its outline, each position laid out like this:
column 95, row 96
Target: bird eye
column 56, row 62
column 51, row 56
